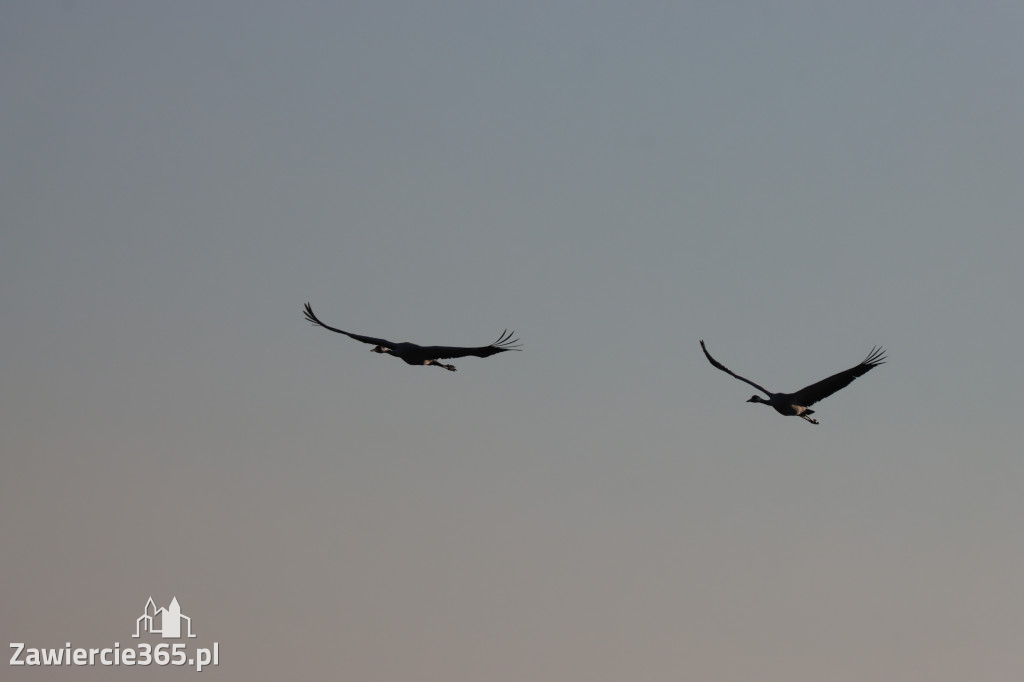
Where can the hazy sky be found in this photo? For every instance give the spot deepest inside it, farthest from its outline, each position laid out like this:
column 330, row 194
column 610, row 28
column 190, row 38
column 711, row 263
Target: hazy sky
column 615, row 181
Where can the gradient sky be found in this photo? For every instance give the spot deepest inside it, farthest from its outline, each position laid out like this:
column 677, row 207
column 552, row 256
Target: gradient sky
column 615, row 181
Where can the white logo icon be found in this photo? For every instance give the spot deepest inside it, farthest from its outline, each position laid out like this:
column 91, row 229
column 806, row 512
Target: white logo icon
column 169, row 620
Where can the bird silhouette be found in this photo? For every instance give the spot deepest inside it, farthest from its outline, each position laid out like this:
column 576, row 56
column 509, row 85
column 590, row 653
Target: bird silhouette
column 414, row 354
column 796, row 404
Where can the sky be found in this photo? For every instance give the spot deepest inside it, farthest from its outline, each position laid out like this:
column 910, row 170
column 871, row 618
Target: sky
column 794, row 184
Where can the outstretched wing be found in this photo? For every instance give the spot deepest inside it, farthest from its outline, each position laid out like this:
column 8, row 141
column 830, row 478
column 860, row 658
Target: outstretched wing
column 365, row 339
column 809, row 395
column 505, row 342
column 725, row 369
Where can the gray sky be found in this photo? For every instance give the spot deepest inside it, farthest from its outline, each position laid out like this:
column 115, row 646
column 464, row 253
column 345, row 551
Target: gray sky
column 615, row 181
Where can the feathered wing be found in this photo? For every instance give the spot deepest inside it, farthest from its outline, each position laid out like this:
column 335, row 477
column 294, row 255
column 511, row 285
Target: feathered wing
column 809, row 395
column 505, row 342
column 313, row 319
column 725, row 369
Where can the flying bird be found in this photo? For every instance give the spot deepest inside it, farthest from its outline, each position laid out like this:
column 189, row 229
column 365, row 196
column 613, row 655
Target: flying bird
column 424, row 355
column 796, row 404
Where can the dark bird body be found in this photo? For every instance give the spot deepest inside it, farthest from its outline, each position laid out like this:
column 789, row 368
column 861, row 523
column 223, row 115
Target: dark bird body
column 796, row 404
column 414, row 354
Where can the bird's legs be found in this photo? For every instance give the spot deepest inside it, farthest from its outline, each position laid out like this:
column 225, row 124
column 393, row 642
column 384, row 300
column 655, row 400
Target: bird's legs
column 810, row 419
column 450, row 368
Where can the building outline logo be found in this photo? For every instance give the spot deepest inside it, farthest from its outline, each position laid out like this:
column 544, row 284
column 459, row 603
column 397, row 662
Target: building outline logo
column 170, row 620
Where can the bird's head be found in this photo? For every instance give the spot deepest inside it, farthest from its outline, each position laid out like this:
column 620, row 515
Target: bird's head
column 756, row 399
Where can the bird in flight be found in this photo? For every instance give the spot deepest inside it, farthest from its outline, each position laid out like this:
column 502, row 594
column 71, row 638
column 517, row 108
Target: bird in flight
column 796, row 404
column 424, row 355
